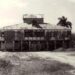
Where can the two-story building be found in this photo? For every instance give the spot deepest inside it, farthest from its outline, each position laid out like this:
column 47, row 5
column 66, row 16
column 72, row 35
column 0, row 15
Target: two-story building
column 34, row 35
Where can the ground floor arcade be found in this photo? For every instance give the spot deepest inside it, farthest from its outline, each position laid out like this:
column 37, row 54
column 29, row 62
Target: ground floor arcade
column 26, row 45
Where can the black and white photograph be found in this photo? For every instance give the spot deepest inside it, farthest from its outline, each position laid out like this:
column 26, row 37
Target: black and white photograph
column 37, row 37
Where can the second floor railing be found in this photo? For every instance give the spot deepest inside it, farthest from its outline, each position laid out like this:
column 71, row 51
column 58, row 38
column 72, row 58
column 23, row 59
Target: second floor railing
column 36, row 34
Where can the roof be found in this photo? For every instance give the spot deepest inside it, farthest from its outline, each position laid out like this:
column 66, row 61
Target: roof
column 50, row 26
column 33, row 16
column 30, row 26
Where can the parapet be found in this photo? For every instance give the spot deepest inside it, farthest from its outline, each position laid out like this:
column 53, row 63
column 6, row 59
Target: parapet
column 29, row 18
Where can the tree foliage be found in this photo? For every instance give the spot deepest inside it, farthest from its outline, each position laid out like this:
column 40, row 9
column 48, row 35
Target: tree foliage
column 64, row 22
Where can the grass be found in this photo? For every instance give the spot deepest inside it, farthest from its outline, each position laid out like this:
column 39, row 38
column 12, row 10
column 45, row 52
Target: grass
column 5, row 67
column 33, row 66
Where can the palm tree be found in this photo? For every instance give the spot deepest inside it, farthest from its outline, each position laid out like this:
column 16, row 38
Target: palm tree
column 63, row 22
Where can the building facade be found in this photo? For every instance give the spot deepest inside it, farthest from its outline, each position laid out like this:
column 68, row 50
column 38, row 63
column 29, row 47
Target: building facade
column 34, row 35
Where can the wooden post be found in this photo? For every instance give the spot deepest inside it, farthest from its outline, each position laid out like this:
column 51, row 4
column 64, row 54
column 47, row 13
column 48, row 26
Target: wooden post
column 13, row 45
column 70, row 43
column 23, row 34
column 29, row 45
column 63, row 44
column 21, row 45
column 54, row 44
column 39, row 45
column 1, row 45
column 4, row 47
column 47, row 45
column 45, row 34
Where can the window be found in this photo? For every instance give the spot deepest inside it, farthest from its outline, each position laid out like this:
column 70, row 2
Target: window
column 17, row 45
column 59, row 35
column 68, row 33
column 19, row 35
column 25, row 45
column 28, row 33
column 49, row 34
column 2, row 34
column 39, row 33
column 55, row 34
column 43, row 45
column 9, row 35
column 64, row 34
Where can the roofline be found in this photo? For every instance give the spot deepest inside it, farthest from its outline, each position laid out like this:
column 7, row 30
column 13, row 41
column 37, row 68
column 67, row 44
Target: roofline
column 36, row 29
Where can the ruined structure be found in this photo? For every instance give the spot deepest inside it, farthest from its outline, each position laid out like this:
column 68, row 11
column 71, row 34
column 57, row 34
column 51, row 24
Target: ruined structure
column 34, row 35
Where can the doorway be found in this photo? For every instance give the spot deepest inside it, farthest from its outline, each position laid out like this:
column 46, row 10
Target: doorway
column 25, row 46
column 51, row 45
column 17, row 46
column 34, row 46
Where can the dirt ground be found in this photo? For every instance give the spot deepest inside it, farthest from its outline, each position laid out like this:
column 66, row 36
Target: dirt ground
column 37, row 63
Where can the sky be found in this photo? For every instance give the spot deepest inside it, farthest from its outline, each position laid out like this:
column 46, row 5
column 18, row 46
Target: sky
column 11, row 11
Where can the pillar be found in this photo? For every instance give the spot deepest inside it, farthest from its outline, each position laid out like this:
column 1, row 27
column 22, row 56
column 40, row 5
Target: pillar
column 39, row 45
column 29, row 45
column 4, row 46
column 47, row 46
column 45, row 33
column 63, row 44
column 13, row 45
column 1, row 45
column 21, row 45
column 54, row 44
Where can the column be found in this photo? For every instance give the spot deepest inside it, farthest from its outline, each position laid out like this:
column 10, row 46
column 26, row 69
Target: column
column 47, row 46
column 54, row 44
column 39, row 45
column 29, row 45
column 4, row 46
column 13, row 45
column 1, row 45
column 21, row 45
column 45, row 33
column 63, row 44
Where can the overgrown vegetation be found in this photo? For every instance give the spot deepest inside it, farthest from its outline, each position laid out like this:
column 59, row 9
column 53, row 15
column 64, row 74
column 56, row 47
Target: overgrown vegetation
column 5, row 67
column 34, row 65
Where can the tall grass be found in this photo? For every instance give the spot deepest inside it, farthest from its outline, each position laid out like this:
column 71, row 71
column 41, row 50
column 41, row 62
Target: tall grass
column 34, row 66
column 5, row 67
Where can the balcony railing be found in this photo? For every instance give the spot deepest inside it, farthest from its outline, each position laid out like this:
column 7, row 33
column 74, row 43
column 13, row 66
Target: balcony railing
column 1, row 39
column 36, row 35
column 34, row 38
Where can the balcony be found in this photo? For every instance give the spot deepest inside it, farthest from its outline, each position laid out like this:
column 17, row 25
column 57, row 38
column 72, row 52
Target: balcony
column 34, row 38
column 1, row 39
column 66, row 38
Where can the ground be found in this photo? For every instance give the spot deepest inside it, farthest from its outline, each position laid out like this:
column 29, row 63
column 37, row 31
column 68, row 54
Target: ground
column 37, row 63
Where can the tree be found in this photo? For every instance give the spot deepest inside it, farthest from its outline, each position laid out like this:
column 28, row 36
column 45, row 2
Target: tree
column 36, row 24
column 63, row 22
